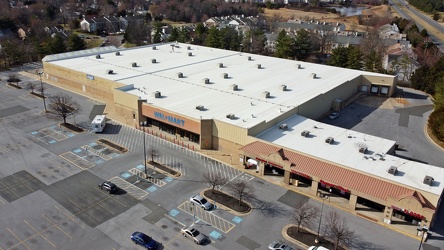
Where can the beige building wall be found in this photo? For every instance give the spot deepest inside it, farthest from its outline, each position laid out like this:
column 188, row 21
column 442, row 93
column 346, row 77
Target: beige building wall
column 389, row 81
column 206, row 134
column 126, row 106
column 226, row 136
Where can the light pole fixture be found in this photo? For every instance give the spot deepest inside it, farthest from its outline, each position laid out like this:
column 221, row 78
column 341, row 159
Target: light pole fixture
column 144, row 148
column 40, row 73
column 320, row 218
column 424, row 230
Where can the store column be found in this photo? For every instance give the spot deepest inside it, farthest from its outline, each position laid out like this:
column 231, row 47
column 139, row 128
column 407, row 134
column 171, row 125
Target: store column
column 287, row 177
column 352, row 201
column 314, row 187
column 388, row 213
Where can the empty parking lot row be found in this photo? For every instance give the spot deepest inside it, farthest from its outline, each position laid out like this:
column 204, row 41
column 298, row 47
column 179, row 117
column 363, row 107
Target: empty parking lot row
column 77, row 160
column 151, row 179
column 206, row 216
column 130, row 188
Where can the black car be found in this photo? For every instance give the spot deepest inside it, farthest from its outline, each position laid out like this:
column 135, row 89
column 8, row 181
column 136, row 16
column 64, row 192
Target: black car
column 108, row 186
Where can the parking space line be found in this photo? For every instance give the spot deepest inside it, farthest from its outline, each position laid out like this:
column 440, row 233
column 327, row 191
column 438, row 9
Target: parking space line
column 57, row 165
column 151, row 179
column 98, row 203
column 39, row 233
column 20, row 241
column 208, row 217
column 133, row 190
column 55, row 225
column 67, row 216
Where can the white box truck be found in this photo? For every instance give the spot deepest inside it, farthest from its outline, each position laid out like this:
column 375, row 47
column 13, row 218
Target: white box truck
column 98, row 124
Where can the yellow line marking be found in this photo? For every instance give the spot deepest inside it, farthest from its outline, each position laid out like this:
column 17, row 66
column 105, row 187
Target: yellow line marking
column 56, row 226
column 39, row 233
column 98, row 203
column 20, row 241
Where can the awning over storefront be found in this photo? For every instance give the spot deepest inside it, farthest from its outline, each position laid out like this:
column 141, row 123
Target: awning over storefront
column 252, row 162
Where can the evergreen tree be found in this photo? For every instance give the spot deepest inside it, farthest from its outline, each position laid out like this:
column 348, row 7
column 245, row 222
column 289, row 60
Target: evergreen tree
column 303, row 45
column 339, row 57
column 372, row 62
column 76, row 43
column 184, row 35
column 57, row 45
column 354, row 58
column 201, row 33
column 174, row 35
column 213, row 38
column 284, row 45
column 157, row 38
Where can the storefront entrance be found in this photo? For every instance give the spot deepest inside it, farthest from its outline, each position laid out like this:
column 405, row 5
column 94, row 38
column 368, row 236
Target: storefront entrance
column 167, row 128
column 273, row 170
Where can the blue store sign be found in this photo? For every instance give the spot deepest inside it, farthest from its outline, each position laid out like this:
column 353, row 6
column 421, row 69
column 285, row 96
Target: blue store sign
column 168, row 118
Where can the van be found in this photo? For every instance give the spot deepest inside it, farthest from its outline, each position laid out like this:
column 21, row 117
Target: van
column 98, row 124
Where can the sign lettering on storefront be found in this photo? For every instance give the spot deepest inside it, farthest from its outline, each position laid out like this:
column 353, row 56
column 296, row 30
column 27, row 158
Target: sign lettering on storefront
column 90, row 77
column 168, row 118
column 419, row 216
column 335, row 186
column 301, row 174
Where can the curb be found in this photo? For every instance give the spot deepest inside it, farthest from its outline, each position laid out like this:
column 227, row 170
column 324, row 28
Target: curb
column 227, row 209
column 290, row 239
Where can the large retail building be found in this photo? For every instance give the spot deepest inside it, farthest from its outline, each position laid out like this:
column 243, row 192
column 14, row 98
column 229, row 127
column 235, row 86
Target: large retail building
column 262, row 109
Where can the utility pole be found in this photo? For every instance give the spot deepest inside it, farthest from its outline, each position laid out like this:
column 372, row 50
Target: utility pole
column 40, row 73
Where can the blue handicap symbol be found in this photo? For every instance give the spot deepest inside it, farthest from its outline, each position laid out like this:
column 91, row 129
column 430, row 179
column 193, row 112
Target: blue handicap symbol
column 70, row 135
column 52, row 141
column 125, row 175
column 77, row 150
column 168, row 179
column 173, row 212
column 237, row 219
column 151, row 189
column 34, row 132
column 92, row 144
column 140, row 167
column 53, row 126
column 215, row 234
column 99, row 161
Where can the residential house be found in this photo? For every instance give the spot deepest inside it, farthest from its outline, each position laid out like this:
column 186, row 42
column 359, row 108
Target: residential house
column 56, row 30
column 100, row 25
column 391, row 31
column 130, row 20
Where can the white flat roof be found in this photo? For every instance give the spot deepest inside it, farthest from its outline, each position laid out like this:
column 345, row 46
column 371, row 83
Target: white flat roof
column 345, row 151
column 182, row 95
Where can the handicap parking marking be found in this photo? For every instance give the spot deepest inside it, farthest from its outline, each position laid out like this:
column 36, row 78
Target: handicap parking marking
column 151, row 189
column 173, row 212
column 70, row 135
column 168, row 179
column 246, row 177
column 131, row 189
column 100, row 161
column 125, row 175
column 140, row 167
column 52, row 141
column 237, row 219
column 92, row 144
column 216, row 235
column 141, row 173
column 34, row 132
column 77, row 150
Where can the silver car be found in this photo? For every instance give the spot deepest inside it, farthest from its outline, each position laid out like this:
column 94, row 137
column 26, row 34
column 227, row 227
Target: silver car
column 201, row 202
column 279, row 246
column 194, row 234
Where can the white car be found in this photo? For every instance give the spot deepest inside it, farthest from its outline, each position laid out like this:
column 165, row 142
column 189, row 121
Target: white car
column 333, row 116
column 201, row 202
column 279, row 246
column 194, row 234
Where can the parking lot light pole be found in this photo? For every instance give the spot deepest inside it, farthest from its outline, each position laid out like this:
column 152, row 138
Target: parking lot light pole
column 423, row 233
column 40, row 73
column 144, row 148
column 320, row 218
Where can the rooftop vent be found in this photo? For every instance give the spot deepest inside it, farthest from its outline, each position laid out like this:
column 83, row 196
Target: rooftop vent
column 298, row 66
column 234, row 87
column 283, row 126
column 221, row 65
column 180, row 75
column 134, row 64
column 330, row 140
column 305, row 133
column 154, row 48
column 259, row 66
column 190, row 54
column 118, row 53
column 392, row 170
column 266, row 94
column 231, row 116
column 249, row 58
column 200, row 107
column 224, row 76
column 428, row 180
column 109, row 71
column 313, row 75
column 284, row 87
column 206, row 81
column 98, row 56
column 153, row 60
column 188, row 47
column 362, row 149
column 157, row 94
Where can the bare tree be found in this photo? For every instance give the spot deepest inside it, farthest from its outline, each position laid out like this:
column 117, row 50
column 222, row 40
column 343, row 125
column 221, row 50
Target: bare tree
column 153, row 153
column 338, row 229
column 13, row 78
column 215, row 180
column 304, row 214
column 62, row 105
column 241, row 189
column 31, row 86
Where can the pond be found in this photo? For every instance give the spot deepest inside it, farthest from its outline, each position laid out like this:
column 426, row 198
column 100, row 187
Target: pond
column 349, row 11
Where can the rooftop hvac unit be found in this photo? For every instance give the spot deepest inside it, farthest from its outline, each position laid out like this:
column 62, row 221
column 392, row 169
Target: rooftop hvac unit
column 200, row 107
column 298, row 66
column 224, row 75
column 283, row 126
column 134, row 64
column 188, row 48
column 428, row 180
column 109, row 71
column 392, row 170
column 249, row 58
column 221, row 65
column 305, row 133
column 284, row 87
column 330, row 140
column 190, row 54
column 98, row 57
column 313, row 75
column 259, row 66
column 362, row 150
column 153, row 60
column 230, row 116
column 206, row 81
column 180, row 75
column 266, row 94
column 154, row 48
column 234, row 87
column 118, row 53
column 156, row 94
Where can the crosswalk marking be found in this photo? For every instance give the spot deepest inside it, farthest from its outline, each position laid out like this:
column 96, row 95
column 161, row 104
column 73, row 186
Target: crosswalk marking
column 128, row 187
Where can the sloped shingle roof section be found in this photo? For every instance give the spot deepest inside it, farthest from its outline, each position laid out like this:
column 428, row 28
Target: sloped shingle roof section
column 340, row 176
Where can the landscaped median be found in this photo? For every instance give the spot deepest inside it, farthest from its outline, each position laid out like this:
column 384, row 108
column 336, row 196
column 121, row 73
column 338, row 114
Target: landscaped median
column 227, row 202
column 305, row 238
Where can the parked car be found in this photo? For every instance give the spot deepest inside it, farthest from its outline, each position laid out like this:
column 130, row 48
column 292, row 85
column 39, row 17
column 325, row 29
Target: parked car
column 143, row 240
column 333, row 115
column 317, row 248
column 108, row 186
column 279, row 246
column 194, row 234
column 201, row 201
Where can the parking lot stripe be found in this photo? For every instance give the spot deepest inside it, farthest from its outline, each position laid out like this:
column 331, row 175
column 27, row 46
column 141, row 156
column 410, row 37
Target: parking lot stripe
column 20, row 241
column 55, row 225
column 39, row 233
column 98, row 203
column 133, row 190
column 207, row 216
